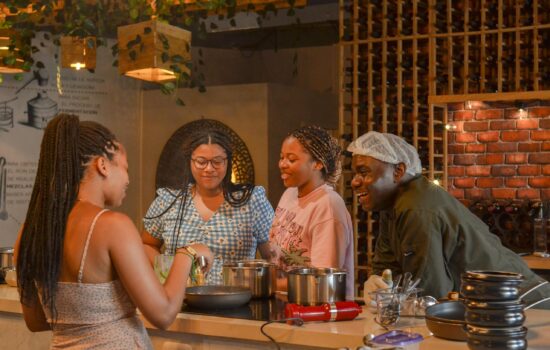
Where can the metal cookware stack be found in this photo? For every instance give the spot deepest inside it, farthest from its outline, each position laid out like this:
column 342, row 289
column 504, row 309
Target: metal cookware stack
column 494, row 310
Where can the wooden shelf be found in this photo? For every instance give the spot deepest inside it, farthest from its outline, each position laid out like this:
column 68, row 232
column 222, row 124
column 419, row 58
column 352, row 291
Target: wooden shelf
column 403, row 61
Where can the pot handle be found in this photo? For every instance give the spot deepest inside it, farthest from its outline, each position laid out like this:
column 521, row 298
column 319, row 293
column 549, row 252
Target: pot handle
column 533, row 288
column 536, row 303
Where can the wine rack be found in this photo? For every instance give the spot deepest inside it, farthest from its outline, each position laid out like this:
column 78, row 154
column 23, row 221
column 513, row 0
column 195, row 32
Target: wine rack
column 399, row 59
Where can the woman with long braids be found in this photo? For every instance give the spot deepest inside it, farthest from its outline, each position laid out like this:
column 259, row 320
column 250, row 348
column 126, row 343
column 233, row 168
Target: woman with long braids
column 81, row 268
column 312, row 226
column 233, row 220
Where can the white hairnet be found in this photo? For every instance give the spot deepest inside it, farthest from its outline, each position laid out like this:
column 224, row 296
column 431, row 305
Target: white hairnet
column 387, row 148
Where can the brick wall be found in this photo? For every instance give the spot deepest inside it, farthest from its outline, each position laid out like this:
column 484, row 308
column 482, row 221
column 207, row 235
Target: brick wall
column 498, row 152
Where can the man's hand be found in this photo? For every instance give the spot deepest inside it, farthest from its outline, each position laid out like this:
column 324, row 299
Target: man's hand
column 374, row 283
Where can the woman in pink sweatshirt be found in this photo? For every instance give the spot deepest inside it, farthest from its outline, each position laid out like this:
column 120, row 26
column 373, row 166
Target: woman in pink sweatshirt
column 312, row 226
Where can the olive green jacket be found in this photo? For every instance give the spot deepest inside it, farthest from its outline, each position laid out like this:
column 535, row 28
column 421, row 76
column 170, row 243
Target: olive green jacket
column 435, row 237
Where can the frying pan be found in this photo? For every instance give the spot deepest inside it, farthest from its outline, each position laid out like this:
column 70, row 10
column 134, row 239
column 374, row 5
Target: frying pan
column 446, row 320
column 217, row 297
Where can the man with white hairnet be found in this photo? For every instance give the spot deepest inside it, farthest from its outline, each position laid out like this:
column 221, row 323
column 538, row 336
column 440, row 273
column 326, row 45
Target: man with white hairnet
column 423, row 229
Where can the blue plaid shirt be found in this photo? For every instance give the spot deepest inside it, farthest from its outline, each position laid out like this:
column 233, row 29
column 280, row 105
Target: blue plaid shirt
column 231, row 233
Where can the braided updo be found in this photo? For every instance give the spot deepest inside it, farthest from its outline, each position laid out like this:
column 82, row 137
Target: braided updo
column 323, row 148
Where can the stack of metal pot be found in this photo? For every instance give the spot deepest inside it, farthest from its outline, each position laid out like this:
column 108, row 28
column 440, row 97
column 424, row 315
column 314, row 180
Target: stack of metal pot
column 494, row 310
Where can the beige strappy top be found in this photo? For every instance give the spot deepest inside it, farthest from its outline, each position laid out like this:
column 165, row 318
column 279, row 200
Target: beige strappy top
column 95, row 315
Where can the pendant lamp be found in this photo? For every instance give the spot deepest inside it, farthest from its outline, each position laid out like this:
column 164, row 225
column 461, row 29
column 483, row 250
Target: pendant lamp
column 78, row 53
column 153, row 51
column 11, row 61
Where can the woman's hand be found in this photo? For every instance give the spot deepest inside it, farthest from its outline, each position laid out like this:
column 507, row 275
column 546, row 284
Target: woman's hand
column 203, row 250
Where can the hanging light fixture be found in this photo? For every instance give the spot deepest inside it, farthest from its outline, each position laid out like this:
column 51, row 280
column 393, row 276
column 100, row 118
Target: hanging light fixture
column 78, row 53
column 11, row 58
column 153, row 51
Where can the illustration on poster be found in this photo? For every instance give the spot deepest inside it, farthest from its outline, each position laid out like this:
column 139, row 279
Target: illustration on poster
column 6, row 115
column 40, row 109
column 3, row 210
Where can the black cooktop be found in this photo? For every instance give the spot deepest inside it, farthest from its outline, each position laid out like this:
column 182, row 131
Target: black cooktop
column 256, row 310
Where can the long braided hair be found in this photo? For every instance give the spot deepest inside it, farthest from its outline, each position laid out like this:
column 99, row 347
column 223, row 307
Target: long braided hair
column 67, row 148
column 236, row 195
column 323, row 148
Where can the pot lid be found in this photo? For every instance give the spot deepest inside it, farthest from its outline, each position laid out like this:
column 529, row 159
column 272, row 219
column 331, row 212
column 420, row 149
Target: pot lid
column 397, row 338
column 316, row 271
column 494, row 276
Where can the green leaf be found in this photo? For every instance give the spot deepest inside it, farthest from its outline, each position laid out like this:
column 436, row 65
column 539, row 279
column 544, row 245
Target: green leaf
column 132, row 55
column 1, row 78
column 177, row 58
column 9, row 60
column 90, row 43
column 185, row 76
column 90, row 25
column 163, row 38
column 180, row 102
column 175, row 68
column 171, row 86
column 134, row 13
column 164, row 57
column 137, row 40
column 18, row 76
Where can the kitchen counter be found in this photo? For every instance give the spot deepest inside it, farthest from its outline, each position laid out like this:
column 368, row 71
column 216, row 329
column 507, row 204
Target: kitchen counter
column 214, row 332
column 536, row 262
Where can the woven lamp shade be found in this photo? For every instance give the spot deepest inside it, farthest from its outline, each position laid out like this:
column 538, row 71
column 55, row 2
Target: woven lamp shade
column 10, row 61
column 77, row 53
column 146, row 49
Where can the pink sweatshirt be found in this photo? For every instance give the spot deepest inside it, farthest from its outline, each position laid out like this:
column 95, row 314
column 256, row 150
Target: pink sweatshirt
column 314, row 230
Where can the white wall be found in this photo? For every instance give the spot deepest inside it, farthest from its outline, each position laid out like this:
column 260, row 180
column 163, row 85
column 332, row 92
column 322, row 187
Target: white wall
column 104, row 96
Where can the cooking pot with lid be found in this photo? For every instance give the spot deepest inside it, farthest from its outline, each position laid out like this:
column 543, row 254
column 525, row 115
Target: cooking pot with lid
column 316, row 286
column 257, row 275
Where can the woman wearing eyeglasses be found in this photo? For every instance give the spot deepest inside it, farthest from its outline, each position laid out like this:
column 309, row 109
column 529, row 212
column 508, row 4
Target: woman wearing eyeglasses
column 233, row 220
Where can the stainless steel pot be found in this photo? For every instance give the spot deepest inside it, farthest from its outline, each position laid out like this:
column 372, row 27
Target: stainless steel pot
column 6, row 261
column 257, row 275
column 315, row 286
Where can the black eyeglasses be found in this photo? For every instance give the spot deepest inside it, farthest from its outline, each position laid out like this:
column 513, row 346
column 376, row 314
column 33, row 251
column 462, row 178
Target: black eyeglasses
column 201, row 163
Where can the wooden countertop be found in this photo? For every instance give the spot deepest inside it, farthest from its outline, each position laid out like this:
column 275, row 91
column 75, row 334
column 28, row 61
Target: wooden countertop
column 536, row 262
column 327, row 335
